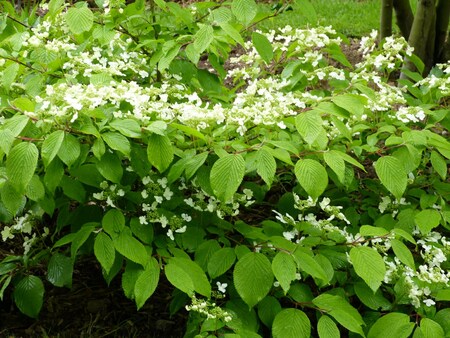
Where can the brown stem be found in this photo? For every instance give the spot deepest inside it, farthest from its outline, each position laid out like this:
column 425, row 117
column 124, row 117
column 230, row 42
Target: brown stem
column 442, row 20
column 421, row 32
column 404, row 16
column 386, row 19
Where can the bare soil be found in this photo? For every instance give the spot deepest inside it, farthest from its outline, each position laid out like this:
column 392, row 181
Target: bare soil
column 92, row 309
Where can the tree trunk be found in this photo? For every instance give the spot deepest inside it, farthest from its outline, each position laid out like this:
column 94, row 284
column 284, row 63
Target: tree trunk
column 404, row 15
column 421, row 31
column 386, row 19
column 442, row 20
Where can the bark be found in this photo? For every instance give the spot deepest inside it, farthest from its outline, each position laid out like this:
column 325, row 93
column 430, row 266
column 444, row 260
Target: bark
column 404, row 16
column 442, row 20
column 421, row 31
column 386, row 19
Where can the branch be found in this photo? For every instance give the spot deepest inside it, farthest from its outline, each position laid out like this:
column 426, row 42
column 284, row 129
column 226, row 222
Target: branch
column 17, row 21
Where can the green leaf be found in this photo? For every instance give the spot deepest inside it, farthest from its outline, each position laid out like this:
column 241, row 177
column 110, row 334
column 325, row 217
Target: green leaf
column 131, row 248
column 368, row 265
column 98, row 148
column 81, row 237
column 29, row 295
column 51, row 145
column 129, row 278
column 53, row 174
column 159, row 152
column 308, row 264
column 21, row 164
column 429, row 329
column 185, row 129
column 5, row 285
column 374, row 301
column 368, row 230
column 35, row 190
column 16, row 124
column 69, row 150
column 397, row 324
column 73, row 189
column 203, row 38
column 104, row 251
column 232, row 33
column 427, row 220
column 59, row 270
column 12, row 200
column 127, row 127
column 263, row 46
column 253, row 277
column 54, row 6
column 312, row 176
column 284, row 268
column 353, row 103
column 266, row 166
column 291, row 323
column 192, row 54
column 443, row 295
column 146, row 283
column 268, row 308
column 403, row 253
column 342, row 311
column 204, row 252
column 310, row 125
column 226, row 176
column 113, row 222
column 327, row 328
column 9, row 75
column 443, row 318
column 336, row 163
column 439, row 164
column 181, row 279
column 187, row 276
column 110, row 167
column 194, row 163
column 117, row 142
column 144, row 232
column 392, row 175
column 80, row 19
column 220, row 262
column 7, row 139
column 348, row 159
column 244, row 10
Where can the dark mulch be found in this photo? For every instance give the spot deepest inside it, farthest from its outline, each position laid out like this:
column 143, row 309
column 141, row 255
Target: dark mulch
column 91, row 309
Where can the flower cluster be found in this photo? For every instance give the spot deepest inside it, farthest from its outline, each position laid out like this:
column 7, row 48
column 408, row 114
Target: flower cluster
column 441, row 82
column 208, row 309
column 24, row 226
column 200, row 200
column 434, row 250
column 393, row 206
column 324, row 224
column 109, row 194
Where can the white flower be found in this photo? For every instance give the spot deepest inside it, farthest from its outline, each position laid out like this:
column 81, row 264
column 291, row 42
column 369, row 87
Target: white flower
column 222, row 287
column 143, row 220
column 170, row 234
column 186, row 217
column 181, row 230
column 168, row 194
column 429, row 302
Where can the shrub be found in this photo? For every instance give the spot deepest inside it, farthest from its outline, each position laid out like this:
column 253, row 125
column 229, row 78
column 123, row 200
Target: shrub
column 282, row 189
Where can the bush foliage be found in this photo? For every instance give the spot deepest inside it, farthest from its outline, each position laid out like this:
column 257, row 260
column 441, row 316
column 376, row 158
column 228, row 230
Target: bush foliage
column 277, row 186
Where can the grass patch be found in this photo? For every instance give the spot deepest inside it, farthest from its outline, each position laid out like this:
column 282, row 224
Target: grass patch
column 353, row 18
